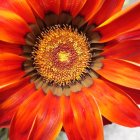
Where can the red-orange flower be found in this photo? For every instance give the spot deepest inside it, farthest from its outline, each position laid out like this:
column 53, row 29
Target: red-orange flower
column 66, row 64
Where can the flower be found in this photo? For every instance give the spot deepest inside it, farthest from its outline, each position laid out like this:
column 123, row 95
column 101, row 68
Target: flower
column 66, row 65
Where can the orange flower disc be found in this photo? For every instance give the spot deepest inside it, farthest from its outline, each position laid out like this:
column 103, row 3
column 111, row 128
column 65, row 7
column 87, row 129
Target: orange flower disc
column 61, row 55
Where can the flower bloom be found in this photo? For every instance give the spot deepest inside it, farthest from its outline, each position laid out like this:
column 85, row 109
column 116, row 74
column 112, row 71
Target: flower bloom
column 67, row 64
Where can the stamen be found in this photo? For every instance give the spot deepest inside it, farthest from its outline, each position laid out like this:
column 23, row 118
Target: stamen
column 61, row 55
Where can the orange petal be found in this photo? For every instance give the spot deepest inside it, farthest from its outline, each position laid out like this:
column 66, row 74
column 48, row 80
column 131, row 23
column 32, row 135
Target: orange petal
column 134, row 94
column 9, row 106
column 127, row 50
column 19, row 7
column 9, row 56
column 125, row 20
column 69, row 121
column 15, row 98
column 8, row 90
column 37, row 6
column 52, row 5
column 48, row 122
column 11, row 68
column 87, row 116
column 10, row 61
column 8, row 32
column 8, row 77
column 65, row 5
column 90, row 8
column 114, row 104
column 121, row 72
column 109, row 8
column 72, row 6
column 132, row 35
column 10, row 48
column 24, row 117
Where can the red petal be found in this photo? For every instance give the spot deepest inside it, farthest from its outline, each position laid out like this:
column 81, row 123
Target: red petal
column 10, row 33
column 125, row 20
column 23, row 119
column 10, row 48
column 134, row 94
column 90, row 8
column 87, row 117
column 130, row 35
column 49, row 119
column 66, row 5
column 72, row 6
column 8, row 77
column 9, row 106
column 10, row 62
column 51, row 5
column 20, row 7
column 115, row 105
column 37, row 6
column 109, row 8
column 127, row 50
column 121, row 72
column 11, row 68
column 69, row 122
column 10, row 89
column 9, row 56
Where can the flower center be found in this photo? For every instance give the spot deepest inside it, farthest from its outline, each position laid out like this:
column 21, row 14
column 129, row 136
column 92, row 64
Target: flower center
column 61, row 55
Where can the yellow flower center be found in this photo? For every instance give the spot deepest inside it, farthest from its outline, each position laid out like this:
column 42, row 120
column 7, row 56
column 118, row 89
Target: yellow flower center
column 61, row 55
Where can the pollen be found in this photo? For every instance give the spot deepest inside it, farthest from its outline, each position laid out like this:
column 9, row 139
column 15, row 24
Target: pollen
column 61, row 55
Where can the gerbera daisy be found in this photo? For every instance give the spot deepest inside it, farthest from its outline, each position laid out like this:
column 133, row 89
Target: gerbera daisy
column 66, row 64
